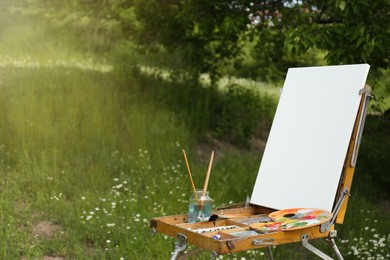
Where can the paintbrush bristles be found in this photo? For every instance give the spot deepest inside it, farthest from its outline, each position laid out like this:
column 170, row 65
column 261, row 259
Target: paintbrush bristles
column 192, row 181
column 206, row 182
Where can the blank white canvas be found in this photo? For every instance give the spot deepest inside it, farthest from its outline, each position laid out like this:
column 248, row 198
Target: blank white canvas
column 307, row 145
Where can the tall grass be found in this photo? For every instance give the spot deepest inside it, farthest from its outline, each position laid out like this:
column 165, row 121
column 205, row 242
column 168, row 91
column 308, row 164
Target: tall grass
column 98, row 162
column 62, row 140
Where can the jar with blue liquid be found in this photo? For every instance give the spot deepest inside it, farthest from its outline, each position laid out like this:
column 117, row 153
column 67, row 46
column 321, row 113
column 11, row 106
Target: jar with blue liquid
column 199, row 211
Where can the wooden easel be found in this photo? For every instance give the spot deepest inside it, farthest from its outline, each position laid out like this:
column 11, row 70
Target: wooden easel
column 227, row 228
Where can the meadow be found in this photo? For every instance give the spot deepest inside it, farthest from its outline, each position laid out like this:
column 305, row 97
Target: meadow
column 89, row 154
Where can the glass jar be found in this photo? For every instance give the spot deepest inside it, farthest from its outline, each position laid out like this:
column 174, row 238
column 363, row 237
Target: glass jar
column 200, row 210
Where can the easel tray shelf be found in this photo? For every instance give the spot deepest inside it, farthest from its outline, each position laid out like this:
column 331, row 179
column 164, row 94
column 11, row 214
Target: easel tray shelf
column 232, row 234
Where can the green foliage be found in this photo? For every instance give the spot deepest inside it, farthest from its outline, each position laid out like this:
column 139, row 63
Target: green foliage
column 350, row 31
column 375, row 150
column 380, row 82
column 204, row 36
column 91, row 19
column 242, row 114
column 234, row 114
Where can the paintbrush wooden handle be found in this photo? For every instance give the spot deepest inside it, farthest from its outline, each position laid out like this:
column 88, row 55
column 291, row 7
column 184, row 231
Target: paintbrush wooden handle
column 190, row 175
column 206, row 182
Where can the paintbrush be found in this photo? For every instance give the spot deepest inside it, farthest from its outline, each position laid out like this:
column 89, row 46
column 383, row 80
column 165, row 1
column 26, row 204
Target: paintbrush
column 190, row 175
column 206, row 183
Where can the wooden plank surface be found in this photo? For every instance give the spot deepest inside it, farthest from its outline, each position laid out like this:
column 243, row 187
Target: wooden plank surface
column 277, row 238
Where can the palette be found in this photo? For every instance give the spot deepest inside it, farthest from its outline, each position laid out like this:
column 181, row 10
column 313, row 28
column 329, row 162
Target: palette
column 292, row 219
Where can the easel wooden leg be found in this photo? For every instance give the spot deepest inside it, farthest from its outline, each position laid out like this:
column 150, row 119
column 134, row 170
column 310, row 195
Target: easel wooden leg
column 305, row 243
column 269, row 253
column 190, row 253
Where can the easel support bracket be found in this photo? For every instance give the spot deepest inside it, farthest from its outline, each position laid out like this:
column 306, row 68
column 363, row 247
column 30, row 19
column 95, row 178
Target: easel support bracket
column 367, row 92
column 326, row 226
column 180, row 246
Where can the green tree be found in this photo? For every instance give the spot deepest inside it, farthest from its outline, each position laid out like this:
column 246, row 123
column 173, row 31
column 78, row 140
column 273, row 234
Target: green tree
column 201, row 36
column 198, row 35
column 353, row 31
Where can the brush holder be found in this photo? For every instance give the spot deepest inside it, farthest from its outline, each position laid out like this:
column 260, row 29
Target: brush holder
column 199, row 210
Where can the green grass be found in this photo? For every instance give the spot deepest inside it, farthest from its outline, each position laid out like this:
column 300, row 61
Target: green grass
column 62, row 140
column 95, row 157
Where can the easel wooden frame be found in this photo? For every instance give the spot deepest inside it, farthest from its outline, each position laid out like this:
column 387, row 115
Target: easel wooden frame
column 177, row 226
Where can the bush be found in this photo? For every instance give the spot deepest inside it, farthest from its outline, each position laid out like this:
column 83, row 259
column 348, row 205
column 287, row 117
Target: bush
column 234, row 114
column 374, row 160
column 243, row 114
